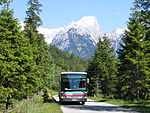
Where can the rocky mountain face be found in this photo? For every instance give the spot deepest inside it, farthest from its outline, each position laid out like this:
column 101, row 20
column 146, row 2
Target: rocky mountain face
column 80, row 37
column 116, row 38
column 80, row 44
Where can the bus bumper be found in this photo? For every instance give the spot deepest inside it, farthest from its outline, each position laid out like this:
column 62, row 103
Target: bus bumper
column 73, row 100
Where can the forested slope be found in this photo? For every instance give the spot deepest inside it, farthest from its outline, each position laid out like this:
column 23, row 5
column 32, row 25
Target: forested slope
column 67, row 61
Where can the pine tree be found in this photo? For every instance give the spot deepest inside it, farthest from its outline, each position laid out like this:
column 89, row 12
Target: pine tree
column 134, row 55
column 16, row 61
column 142, row 11
column 102, row 69
column 40, row 49
column 131, row 57
column 48, row 78
column 32, row 22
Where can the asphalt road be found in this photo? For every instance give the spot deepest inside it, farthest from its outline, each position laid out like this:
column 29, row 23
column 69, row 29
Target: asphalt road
column 93, row 107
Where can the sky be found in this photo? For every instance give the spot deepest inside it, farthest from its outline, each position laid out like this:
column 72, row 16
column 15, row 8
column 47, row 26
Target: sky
column 111, row 14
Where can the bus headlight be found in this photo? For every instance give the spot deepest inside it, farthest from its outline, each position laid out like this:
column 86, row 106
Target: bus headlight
column 62, row 97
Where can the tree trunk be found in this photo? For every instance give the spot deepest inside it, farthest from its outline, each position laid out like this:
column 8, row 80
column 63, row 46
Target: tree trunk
column 137, row 78
column 7, row 103
column 98, row 90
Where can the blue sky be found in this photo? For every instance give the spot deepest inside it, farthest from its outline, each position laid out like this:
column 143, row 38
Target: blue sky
column 111, row 14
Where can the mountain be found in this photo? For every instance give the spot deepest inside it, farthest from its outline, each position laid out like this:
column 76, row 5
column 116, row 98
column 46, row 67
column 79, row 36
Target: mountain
column 80, row 37
column 116, row 37
column 49, row 33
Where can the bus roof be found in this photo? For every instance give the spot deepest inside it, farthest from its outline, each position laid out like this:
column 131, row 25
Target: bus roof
column 73, row 73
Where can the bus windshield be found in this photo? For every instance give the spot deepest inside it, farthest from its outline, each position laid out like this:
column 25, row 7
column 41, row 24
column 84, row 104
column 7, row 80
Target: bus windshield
column 73, row 82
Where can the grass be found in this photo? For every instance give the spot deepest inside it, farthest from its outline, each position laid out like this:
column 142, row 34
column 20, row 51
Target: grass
column 142, row 106
column 36, row 105
column 41, row 107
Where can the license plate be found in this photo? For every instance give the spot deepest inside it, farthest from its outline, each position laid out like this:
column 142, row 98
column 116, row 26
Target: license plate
column 74, row 99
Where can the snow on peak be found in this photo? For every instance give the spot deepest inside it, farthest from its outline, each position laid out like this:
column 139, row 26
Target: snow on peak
column 49, row 33
column 87, row 25
column 117, row 33
column 119, row 30
column 88, row 21
column 81, row 36
column 116, row 37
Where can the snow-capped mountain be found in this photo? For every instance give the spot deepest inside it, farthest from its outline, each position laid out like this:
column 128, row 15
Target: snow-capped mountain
column 116, row 37
column 86, row 25
column 80, row 37
column 49, row 33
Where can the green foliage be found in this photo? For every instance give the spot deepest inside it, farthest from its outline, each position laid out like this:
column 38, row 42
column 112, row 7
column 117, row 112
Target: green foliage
column 35, row 105
column 33, row 20
column 67, row 61
column 102, row 69
column 42, row 57
column 62, row 61
column 49, row 79
column 142, row 106
column 134, row 56
column 25, row 60
column 16, row 61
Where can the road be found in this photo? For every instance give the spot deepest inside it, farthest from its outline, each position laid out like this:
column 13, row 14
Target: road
column 93, row 107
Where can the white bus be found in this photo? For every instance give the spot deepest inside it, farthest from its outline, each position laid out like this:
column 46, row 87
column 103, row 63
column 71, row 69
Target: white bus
column 73, row 87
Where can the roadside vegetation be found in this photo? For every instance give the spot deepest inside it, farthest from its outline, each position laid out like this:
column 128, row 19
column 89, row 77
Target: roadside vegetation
column 129, row 85
column 126, row 76
column 35, row 104
column 142, row 106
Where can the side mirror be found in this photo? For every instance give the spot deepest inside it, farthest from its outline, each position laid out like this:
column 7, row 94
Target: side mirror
column 88, row 81
column 59, row 79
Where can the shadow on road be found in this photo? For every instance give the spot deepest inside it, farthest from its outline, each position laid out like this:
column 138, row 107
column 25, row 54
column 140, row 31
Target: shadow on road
column 99, row 108
column 70, row 103
column 96, row 101
column 142, row 109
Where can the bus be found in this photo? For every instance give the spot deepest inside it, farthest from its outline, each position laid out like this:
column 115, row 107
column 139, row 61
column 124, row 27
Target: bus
column 73, row 87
